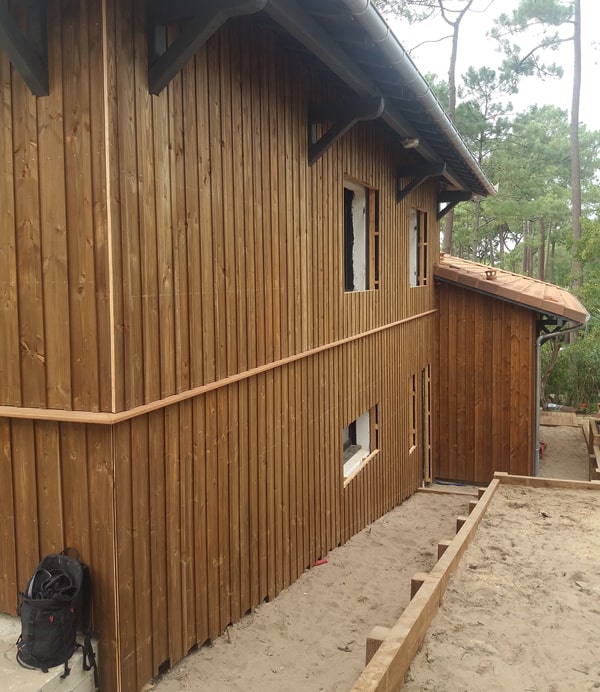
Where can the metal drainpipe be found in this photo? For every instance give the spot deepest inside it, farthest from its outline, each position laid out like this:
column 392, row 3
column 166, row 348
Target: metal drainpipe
column 538, row 389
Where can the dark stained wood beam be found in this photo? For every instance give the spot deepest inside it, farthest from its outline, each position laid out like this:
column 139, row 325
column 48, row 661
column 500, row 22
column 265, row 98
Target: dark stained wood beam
column 170, row 11
column 419, row 174
column 451, row 198
column 29, row 53
column 208, row 16
column 343, row 117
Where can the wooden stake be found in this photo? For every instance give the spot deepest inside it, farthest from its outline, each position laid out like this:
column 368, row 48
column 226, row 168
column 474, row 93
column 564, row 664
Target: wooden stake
column 375, row 639
column 460, row 520
column 442, row 547
column 417, row 582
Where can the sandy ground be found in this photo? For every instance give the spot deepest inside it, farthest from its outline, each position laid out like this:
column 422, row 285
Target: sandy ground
column 566, row 455
column 312, row 636
column 522, row 611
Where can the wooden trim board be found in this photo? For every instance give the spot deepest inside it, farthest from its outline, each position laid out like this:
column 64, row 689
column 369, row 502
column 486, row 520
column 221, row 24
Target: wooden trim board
column 435, row 491
column 565, row 418
column 595, row 465
column 391, row 651
column 536, row 482
column 113, row 418
column 388, row 666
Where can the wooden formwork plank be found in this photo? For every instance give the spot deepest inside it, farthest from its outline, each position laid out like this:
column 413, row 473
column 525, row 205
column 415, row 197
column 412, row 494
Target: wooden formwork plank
column 387, row 668
column 567, row 418
column 436, row 491
column 535, row 482
column 375, row 639
column 595, row 465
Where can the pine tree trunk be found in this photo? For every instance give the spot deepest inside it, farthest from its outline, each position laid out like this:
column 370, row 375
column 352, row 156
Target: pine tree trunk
column 576, row 267
column 449, row 218
column 542, row 252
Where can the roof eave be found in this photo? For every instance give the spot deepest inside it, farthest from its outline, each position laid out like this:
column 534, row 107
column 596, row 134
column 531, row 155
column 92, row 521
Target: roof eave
column 493, row 289
column 399, row 60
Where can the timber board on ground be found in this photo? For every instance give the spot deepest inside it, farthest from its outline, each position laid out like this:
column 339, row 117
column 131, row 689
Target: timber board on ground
column 558, row 418
column 393, row 654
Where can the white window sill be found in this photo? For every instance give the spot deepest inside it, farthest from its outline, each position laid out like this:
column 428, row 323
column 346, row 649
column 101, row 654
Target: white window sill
column 357, row 462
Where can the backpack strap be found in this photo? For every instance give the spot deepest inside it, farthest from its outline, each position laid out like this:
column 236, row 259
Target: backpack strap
column 24, row 644
column 89, row 657
column 67, row 670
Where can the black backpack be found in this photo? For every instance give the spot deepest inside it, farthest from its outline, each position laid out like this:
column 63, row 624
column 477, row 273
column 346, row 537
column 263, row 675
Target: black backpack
column 59, row 589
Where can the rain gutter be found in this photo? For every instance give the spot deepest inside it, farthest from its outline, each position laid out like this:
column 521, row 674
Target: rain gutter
column 298, row 23
column 374, row 24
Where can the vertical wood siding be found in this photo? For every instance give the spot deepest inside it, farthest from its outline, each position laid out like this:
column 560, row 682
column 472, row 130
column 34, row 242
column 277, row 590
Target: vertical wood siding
column 237, row 505
column 486, row 387
column 152, row 245
column 53, row 230
column 57, row 490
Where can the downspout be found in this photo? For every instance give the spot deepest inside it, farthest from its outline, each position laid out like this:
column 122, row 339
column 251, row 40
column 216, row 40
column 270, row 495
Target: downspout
column 538, row 388
column 374, row 24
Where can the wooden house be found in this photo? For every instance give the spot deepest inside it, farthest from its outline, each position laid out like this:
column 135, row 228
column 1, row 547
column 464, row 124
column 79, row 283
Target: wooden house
column 218, row 313
column 492, row 324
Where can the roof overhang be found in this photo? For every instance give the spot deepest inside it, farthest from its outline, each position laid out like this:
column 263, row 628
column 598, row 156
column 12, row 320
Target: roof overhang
column 349, row 37
column 353, row 40
column 532, row 294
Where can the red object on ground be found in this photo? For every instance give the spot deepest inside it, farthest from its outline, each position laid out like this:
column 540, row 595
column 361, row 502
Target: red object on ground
column 323, row 561
column 543, row 446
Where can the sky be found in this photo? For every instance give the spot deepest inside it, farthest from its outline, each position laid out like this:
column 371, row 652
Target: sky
column 476, row 49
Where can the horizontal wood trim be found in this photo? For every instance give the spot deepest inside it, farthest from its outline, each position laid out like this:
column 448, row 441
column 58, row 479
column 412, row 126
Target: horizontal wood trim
column 113, row 418
column 435, row 491
column 211, row 505
column 535, row 482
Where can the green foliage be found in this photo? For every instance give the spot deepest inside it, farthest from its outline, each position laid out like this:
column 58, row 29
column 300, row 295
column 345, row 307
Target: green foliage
column 576, row 377
column 541, row 23
column 439, row 88
column 528, row 156
column 482, row 117
column 413, row 11
column 589, row 255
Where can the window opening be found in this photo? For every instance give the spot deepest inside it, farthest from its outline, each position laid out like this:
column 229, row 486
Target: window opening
column 360, row 440
column 426, row 416
column 418, row 248
column 412, row 441
column 361, row 237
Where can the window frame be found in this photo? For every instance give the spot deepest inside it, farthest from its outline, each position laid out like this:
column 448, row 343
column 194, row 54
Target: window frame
column 367, row 232
column 418, row 248
column 412, row 407
column 360, row 442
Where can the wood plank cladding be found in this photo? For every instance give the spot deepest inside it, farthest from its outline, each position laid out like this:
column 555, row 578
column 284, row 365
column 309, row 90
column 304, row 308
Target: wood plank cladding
column 180, row 246
column 486, row 387
column 220, row 501
column 53, row 259
column 57, row 491
column 223, row 246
